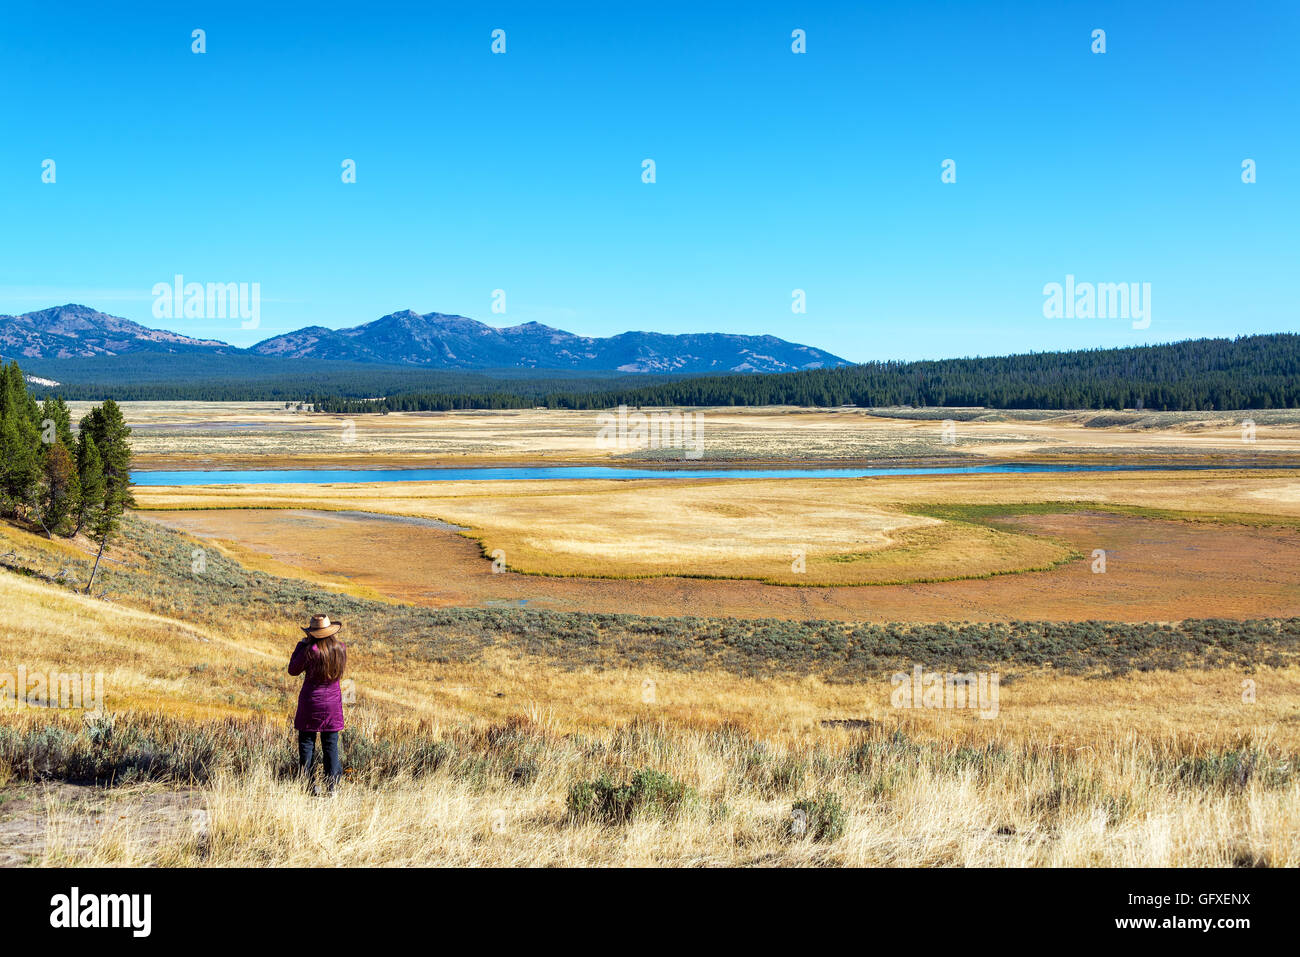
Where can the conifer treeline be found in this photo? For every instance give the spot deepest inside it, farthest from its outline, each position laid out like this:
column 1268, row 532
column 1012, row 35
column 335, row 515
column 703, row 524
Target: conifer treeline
column 62, row 483
column 164, row 377
column 1253, row 372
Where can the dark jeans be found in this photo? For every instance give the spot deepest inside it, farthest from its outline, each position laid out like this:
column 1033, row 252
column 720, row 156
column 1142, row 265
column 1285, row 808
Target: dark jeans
column 329, row 745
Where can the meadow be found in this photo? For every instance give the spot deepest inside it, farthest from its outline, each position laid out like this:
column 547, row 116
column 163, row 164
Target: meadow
column 847, row 531
column 647, row 682
column 508, row 736
column 178, row 435
column 1124, row 564
column 666, row 793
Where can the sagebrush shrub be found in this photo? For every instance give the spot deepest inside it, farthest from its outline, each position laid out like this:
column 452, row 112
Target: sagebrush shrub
column 649, row 792
column 823, row 817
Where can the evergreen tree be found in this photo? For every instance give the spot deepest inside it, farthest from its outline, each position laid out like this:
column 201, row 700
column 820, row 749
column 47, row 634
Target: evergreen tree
column 65, row 484
column 90, row 478
column 1253, row 372
column 56, row 417
column 107, row 434
column 19, row 441
column 60, row 490
column 108, row 426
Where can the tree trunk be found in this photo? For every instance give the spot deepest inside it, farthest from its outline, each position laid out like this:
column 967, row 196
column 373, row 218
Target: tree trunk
column 95, row 567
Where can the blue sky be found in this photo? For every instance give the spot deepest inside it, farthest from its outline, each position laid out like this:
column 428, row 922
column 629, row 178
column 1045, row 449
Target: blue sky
column 775, row 171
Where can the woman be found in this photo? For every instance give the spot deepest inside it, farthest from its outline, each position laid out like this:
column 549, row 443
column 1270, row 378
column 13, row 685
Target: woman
column 320, row 703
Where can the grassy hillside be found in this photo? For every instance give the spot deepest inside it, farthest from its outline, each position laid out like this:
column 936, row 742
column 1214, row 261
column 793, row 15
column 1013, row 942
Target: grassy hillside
column 507, row 736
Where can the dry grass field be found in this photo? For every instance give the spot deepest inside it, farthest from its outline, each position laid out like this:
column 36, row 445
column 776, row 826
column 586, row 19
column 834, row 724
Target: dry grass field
column 643, row 684
column 187, row 435
column 1157, row 569
column 1133, row 801
column 716, row 530
column 476, row 763
column 849, row 531
column 200, row 669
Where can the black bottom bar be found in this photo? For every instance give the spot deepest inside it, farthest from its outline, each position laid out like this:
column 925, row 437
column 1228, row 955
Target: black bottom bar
column 334, row 907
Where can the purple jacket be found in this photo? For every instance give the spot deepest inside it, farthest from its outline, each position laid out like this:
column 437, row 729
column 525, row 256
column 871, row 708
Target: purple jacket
column 320, row 702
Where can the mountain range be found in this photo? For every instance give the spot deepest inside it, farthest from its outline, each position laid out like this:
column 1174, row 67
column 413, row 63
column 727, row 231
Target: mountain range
column 432, row 340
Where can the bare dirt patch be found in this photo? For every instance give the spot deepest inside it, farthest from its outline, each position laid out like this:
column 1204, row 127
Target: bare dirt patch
column 1155, row 570
column 44, row 822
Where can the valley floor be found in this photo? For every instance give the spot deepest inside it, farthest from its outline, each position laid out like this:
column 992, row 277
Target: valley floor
column 475, row 742
column 232, row 435
column 646, row 679
column 1157, row 569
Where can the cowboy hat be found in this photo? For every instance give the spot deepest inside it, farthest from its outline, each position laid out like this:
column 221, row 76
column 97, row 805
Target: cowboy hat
column 322, row 627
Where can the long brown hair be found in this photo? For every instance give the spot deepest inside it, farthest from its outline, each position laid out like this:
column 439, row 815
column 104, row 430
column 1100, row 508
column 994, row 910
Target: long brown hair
column 332, row 659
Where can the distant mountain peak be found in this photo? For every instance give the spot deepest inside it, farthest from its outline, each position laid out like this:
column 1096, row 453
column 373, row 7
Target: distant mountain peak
column 54, row 316
column 440, row 340
column 74, row 330
column 429, row 340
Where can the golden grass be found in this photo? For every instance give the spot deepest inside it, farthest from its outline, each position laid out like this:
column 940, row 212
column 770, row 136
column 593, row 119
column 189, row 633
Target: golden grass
column 1109, row 734
column 1172, row 569
column 934, row 820
column 153, row 661
column 1025, row 805
column 265, row 435
column 259, row 822
column 851, row 531
column 1081, row 783
column 148, row 660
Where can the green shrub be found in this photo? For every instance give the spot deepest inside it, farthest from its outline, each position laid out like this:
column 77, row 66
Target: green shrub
column 1233, row 770
column 820, row 819
column 1078, row 794
column 649, row 792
